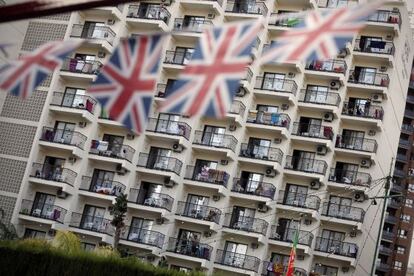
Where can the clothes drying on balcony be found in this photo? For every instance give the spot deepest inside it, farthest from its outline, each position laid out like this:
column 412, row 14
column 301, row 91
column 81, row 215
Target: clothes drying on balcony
column 211, row 175
column 328, row 132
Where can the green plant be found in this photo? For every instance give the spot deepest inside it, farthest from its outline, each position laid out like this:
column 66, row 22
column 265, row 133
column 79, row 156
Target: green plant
column 7, row 231
column 67, row 242
column 118, row 212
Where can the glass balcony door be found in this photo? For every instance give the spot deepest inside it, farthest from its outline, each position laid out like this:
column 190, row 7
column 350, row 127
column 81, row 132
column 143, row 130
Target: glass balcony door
column 250, row 182
column 102, row 181
column 345, row 172
column 159, row 158
column 234, row 254
column 203, row 168
column 331, row 241
column 213, row 136
column 310, row 127
column 296, row 195
column 339, row 206
column 43, row 205
column 196, row 206
column 365, row 75
column 273, row 81
column 352, row 139
column 149, row 194
column 73, row 97
column 303, row 160
column 138, row 230
column 92, row 218
column 63, row 132
column 52, row 168
column 287, row 228
column 168, row 123
column 259, row 148
column 114, row 143
column 93, row 30
column 242, row 218
column 316, row 94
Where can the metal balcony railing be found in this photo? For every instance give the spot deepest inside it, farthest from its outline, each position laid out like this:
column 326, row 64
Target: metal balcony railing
column 290, row 22
column 404, row 142
column 169, row 127
column 346, row 212
column 394, row 203
column 101, row 186
column 399, row 173
column 332, row 4
column 383, row 267
column 247, row 224
column 63, row 136
column 76, row 101
column 53, row 173
column 102, row 148
column 96, row 32
column 197, row 211
column 276, row 85
column 237, row 107
column 191, row 25
column 385, row 250
column 74, row 65
column 43, row 210
column 391, row 219
column 251, row 187
column 189, row 248
column 363, row 110
column 159, row 162
column 386, row 235
column 299, row 200
column 369, row 78
column 177, row 57
column 208, row 175
column 249, row 75
column 319, row 97
column 261, row 153
column 374, row 47
column 267, row 118
column 336, row 247
column 152, row 12
column 402, row 157
column 386, row 16
column 92, row 223
column 350, row 177
column 354, row 143
column 308, row 165
column 409, row 113
column 148, row 198
column 331, row 65
column 268, row 269
column 215, row 140
column 312, row 131
column 288, row 235
column 237, row 260
column 250, row 7
column 143, row 236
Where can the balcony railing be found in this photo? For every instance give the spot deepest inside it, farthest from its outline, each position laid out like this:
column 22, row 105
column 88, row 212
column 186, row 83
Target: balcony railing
column 404, row 142
column 332, row 4
column 286, row 22
column 409, row 113
column 391, row 219
column 161, row 163
column 177, row 57
column 100, row 186
column 243, row 223
column 369, row 78
column 197, row 211
column 247, row 7
column 353, row 143
column 350, row 177
column 193, row 25
column 363, row 110
column 261, row 153
column 43, row 210
column 383, row 267
column 147, row 198
column 394, row 203
column 143, row 236
column 251, row 187
column 308, row 165
column 207, row 175
column 269, row 269
column 62, row 136
column 276, row 85
column 374, row 47
column 249, row 75
column 169, row 127
column 386, row 16
column 237, row 260
column 399, row 173
column 346, row 212
column 102, row 148
column 97, row 32
column 387, row 235
column 74, row 65
column 53, row 173
column 237, row 107
column 267, row 118
column 76, row 101
column 299, row 200
column 331, row 65
column 189, row 248
column 336, row 247
column 152, row 13
column 385, row 250
column 215, row 140
column 92, row 223
column 288, row 235
column 312, row 131
column 318, row 97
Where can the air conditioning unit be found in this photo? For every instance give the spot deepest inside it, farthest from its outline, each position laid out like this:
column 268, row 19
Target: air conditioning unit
column 111, row 21
column 270, row 172
column 232, row 127
column 321, row 150
column 377, row 98
column 101, row 54
column 241, row 92
column 130, row 136
column 343, row 53
column 372, row 132
column 277, row 140
column 160, row 220
column 216, row 197
column 224, row 162
column 285, row 107
column 168, row 183
column 315, row 185
column 177, row 147
column 120, row 170
column 291, row 75
column 262, row 207
column 307, row 221
column 61, row 194
column 211, row 16
column 345, row 269
column 383, row 69
column 72, row 159
column 328, row 117
column 82, row 124
column 208, row 234
column 366, row 163
column 359, row 196
column 254, row 245
column 389, row 37
column 353, row 233
column 300, row 257
column 335, row 85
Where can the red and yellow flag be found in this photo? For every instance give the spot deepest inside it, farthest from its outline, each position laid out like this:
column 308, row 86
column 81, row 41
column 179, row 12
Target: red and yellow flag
column 291, row 266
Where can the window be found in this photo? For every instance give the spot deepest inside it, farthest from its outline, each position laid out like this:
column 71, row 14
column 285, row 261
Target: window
column 114, row 142
column 93, row 218
column 321, row 269
column 273, row 81
column 159, row 158
column 411, row 187
column 139, row 230
column 345, row 173
column 405, row 218
column 73, row 97
column 257, row 148
column 400, row 249
column 397, row 265
column 34, row 234
column 295, row 195
column 402, row 233
column 88, row 246
column 234, row 254
column 102, row 182
column 316, row 94
column 409, row 202
column 213, row 136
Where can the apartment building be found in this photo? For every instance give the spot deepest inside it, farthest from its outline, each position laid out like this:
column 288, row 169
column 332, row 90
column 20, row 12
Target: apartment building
column 302, row 149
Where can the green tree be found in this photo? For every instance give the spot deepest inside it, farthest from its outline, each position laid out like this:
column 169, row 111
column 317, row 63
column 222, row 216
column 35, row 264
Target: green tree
column 118, row 212
column 67, row 242
column 7, row 230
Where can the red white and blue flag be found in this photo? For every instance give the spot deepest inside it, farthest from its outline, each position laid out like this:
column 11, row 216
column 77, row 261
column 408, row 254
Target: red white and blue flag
column 125, row 85
column 320, row 35
column 22, row 76
column 212, row 77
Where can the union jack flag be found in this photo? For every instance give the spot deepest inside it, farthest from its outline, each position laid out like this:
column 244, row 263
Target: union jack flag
column 125, row 85
column 22, row 76
column 320, row 35
column 212, row 77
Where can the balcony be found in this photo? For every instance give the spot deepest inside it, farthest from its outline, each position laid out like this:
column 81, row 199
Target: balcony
column 77, row 69
column 92, row 223
column 308, row 165
column 402, row 157
column 385, row 250
column 155, row 17
column 242, row 261
column 103, row 187
column 251, row 8
column 288, row 235
column 76, row 102
column 299, row 200
column 386, row 17
column 255, row 188
column 409, row 113
column 189, row 248
column 215, row 140
column 383, row 267
column 272, row 121
column 102, row 33
column 312, row 131
column 237, row 111
column 53, row 173
column 343, row 212
column 375, row 47
column 391, row 219
column 160, row 163
column 246, row 224
column 350, row 177
column 369, row 78
column 203, row 5
column 394, row 203
column 268, row 269
column 104, row 149
column 320, row 99
column 191, row 25
column 290, row 22
column 207, row 175
column 42, row 210
column 177, row 58
column 63, row 137
column 336, row 247
column 271, row 87
column 198, row 212
column 143, row 236
column 395, row 187
column 261, row 153
column 387, row 235
column 175, row 128
column 370, row 111
column 356, row 144
column 333, row 4
column 336, row 66
column 147, row 198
